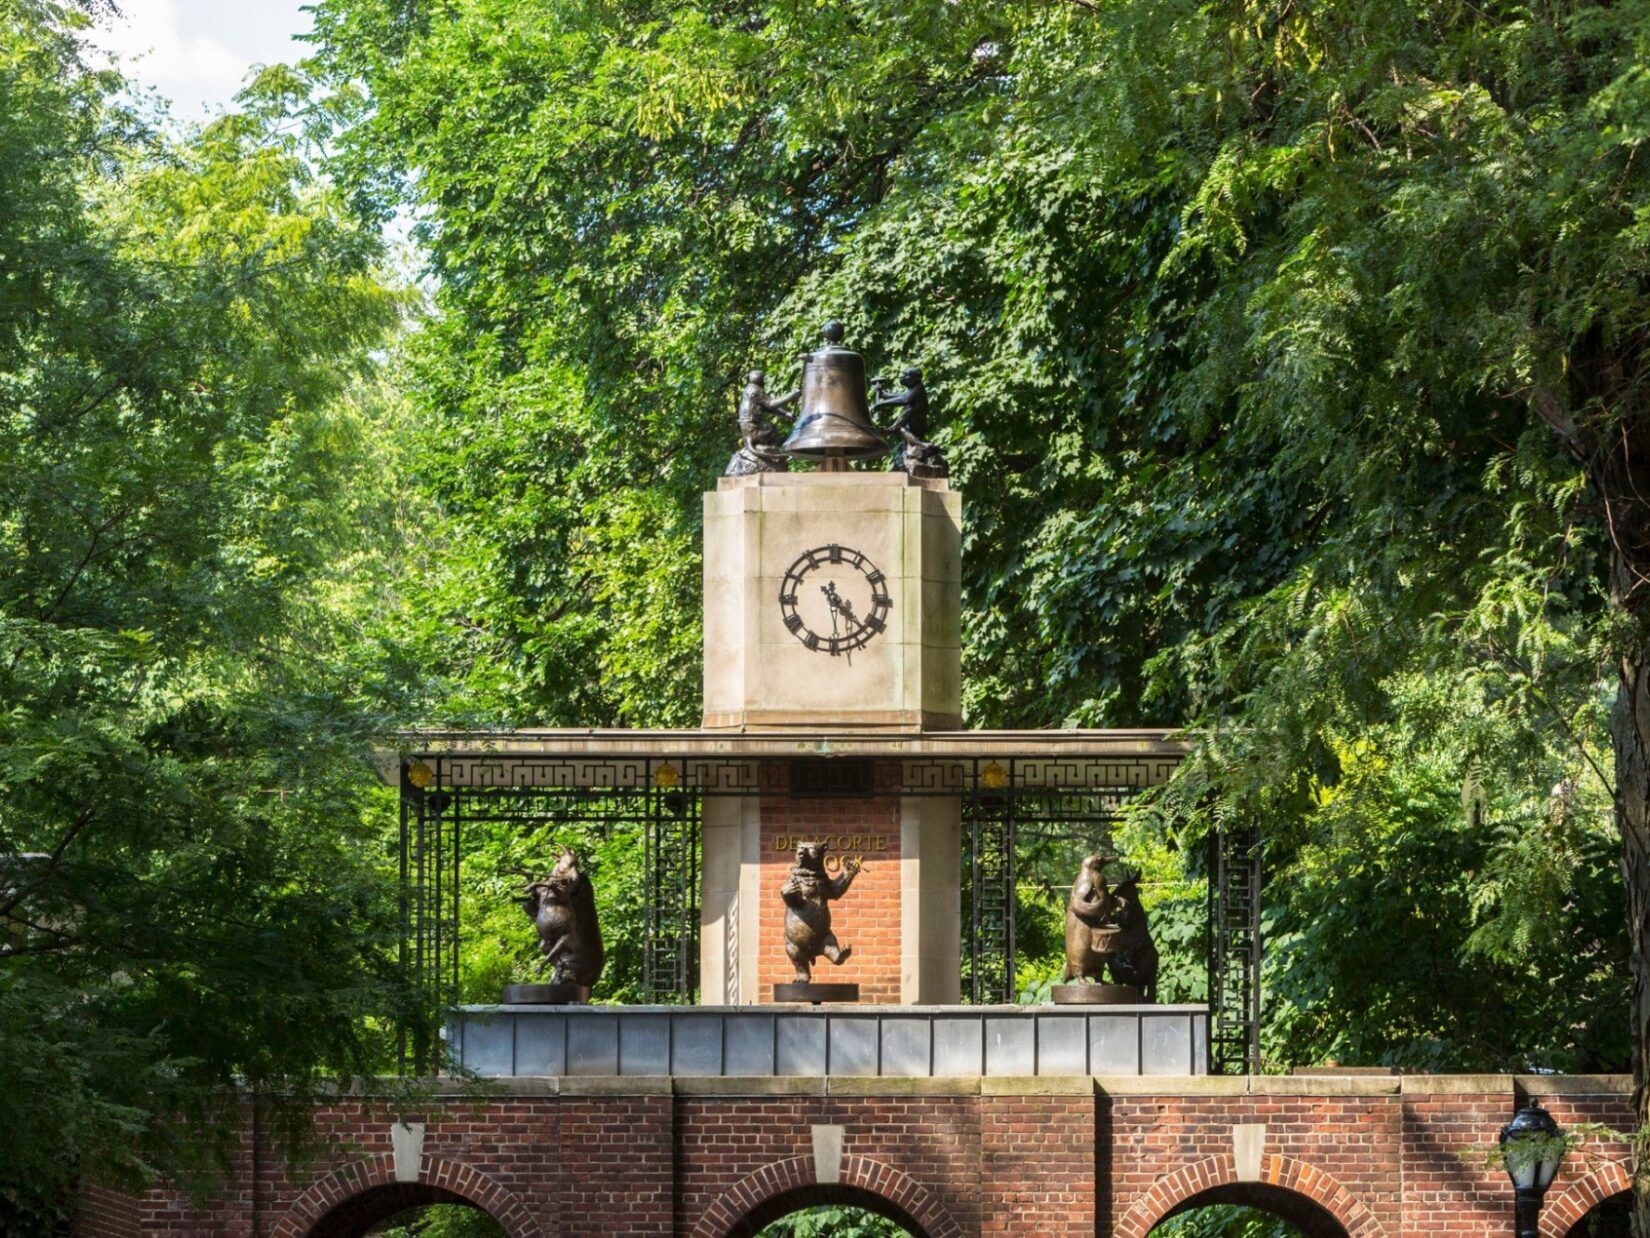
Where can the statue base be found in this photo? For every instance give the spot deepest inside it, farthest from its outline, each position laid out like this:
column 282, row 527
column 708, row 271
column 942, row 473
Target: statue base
column 1095, row 994
column 796, row 991
column 546, row 995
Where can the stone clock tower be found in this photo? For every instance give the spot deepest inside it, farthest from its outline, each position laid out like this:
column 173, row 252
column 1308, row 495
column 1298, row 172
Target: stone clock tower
column 832, row 609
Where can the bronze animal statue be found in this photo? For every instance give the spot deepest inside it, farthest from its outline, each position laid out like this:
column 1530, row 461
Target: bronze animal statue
column 563, row 907
column 1090, row 933
column 808, row 894
column 762, row 438
column 1134, row 960
column 1106, row 929
column 913, row 453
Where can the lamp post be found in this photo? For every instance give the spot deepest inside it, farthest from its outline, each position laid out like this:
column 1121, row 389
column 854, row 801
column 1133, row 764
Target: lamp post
column 1531, row 1151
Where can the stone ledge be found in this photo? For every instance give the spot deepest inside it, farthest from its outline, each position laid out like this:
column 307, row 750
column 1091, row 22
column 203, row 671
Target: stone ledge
column 448, row 1088
column 1575, row 1085
column 893, row 1085
column 1037, row 1085
column 1171, row 1085
column 1455, row 1085
column 1324, row 1085
column 616, row 1085
column 750, row 1085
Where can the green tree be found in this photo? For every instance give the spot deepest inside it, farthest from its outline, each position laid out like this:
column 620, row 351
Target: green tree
column 192, row 894
column 1224, row 1221
column 833, row 1221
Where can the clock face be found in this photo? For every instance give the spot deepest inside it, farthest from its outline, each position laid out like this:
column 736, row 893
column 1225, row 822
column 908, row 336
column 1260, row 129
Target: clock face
column 834, row 600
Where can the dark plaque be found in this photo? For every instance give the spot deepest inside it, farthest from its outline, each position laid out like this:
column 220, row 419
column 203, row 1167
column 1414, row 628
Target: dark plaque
column 546, row 994
column 815, row 993
column 1095, row 995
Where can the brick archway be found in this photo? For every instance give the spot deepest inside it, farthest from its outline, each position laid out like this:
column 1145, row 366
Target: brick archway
column 373, row 1178
column 1580, row 1198
column 783, row 1185
column 1280, row 1173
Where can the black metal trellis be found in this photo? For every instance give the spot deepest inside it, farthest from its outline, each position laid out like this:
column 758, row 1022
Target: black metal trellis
column 670, row 954
column 988, row 822
column 1234, row 950
column 1016, row 811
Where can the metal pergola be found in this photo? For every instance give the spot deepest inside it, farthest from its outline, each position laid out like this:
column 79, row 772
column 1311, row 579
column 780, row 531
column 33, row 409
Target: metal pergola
column 1021, row 794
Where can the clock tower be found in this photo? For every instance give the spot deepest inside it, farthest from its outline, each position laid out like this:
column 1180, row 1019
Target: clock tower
column 832, row 613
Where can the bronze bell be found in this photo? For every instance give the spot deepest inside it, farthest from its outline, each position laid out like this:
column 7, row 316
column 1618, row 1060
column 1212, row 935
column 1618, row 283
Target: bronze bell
column 834, row 423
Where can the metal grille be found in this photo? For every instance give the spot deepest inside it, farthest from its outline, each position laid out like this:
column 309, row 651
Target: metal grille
column 989, row 828
column 670, row 951
column 663, row 820
column 1234, row 950
column 430, row 842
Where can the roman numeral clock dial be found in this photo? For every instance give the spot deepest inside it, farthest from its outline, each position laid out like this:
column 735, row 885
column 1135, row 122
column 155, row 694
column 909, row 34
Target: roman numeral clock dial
column 834, row 600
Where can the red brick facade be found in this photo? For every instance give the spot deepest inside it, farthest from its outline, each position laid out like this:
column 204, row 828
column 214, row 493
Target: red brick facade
column 1370, row 1158
column 868, row 826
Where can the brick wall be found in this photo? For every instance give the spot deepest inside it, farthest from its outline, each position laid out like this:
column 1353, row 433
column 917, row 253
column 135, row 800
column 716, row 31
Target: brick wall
column 697, row 1158
column 867, row 918
column 104, row 1213
column 1037, row 1160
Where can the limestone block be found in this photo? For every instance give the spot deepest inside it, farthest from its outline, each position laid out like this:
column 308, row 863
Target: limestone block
column 959, row 1047
column 853, row 1045
column 1062, row 1045
column 907, row 1045
column 758, row 673
column 593, row 1045
column 644, row 1045
column 696, row 1048
column 799, row 1045
column 1166, row 1045
column 541, row 1045
column 750, row 1045
column 1010, row 1046
column 1114, row 1044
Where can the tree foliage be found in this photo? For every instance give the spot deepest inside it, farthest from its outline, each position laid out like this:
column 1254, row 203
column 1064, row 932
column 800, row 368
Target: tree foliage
column 1288, row 357
column 192, row 894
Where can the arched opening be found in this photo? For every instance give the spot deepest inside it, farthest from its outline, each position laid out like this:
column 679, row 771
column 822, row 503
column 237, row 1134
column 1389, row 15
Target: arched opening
column 407, row 1210
column 1609, row 1218
column 1225, row 1221
column 791, row 1215
column 1249, row 1210
column 834, row 1221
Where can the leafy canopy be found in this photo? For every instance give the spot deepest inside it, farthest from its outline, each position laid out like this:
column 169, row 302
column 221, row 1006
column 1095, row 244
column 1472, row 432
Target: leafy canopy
column 193, row 897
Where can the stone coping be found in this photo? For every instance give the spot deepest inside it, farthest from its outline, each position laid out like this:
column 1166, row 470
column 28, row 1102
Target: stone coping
column 448, row 1087
column 886, row 479
column 800, row 741
column 837, row 1009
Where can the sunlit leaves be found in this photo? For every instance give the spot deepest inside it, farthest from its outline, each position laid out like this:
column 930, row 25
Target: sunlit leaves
column 192, row 899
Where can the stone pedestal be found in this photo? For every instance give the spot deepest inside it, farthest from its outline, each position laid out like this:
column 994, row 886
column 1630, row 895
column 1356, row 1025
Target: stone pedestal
column 780, row 657
column 891, row 537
